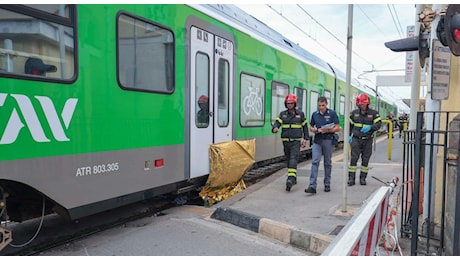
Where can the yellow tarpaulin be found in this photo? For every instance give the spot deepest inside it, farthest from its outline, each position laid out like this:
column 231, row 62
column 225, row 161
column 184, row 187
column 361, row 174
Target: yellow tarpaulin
column 229, row 161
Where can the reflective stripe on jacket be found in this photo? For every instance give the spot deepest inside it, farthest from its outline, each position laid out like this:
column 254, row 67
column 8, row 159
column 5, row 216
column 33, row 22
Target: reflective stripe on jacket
column 294, row 125
column 358, row 121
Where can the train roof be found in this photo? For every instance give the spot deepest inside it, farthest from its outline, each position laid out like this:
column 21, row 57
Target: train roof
column 251, row 25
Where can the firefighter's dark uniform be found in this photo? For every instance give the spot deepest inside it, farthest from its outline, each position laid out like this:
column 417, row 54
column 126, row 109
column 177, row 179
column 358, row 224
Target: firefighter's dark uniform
column 403, row 120
column 362, row 142
column 294, row 129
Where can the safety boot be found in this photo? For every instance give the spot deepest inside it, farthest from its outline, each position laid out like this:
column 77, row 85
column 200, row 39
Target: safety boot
column 291, row 181
column 351, row 178
column 362, row 178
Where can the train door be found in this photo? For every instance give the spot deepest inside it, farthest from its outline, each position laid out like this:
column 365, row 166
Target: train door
column 223, row 88
column 211, row 85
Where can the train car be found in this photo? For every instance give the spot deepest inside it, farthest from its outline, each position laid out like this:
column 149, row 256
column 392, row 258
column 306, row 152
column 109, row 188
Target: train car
column 379, row 103
column 338, row 103
column 102, row 105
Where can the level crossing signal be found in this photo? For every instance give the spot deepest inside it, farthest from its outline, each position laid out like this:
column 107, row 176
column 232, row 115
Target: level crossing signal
column 418, row 43
column 448, row 29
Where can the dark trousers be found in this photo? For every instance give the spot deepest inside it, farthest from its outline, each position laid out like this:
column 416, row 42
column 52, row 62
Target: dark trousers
column 291, row 153
column 363, row 148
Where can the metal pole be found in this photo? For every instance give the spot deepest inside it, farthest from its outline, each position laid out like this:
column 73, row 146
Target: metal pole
column 415, row 88
column 432, row 124
column 378, row 110
column 456, row 236
column 414, row 107
column 346, row 124
column 416, row 186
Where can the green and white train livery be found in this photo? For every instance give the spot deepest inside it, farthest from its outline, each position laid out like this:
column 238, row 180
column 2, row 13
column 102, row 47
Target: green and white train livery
column 99, row 103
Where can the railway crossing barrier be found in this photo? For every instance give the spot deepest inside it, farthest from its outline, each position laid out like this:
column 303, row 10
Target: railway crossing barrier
column 362, row 234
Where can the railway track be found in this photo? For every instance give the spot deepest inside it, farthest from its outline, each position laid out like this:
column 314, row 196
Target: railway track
column 58, row 232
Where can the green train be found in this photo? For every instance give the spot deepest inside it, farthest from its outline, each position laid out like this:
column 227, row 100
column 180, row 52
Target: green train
column 100, row 104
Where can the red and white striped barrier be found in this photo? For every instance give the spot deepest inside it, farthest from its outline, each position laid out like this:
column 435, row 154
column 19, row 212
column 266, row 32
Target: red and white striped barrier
column 370, row 237
column 361, row 235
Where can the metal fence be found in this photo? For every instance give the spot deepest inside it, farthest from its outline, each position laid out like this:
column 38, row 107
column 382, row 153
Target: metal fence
column 430, row 210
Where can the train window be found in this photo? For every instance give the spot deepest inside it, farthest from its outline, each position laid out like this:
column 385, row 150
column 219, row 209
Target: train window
column 37, row 41
column 327, row 94
column 145, row 55
column 342, row 105
column 279, row 93
column 301, row 99
column 223, row 83
column 313, row 101
column 252, row 100
column 202, row 89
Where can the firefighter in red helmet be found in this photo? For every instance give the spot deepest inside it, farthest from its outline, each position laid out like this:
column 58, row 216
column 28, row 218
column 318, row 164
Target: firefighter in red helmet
column 294, row 135
column 364, row 121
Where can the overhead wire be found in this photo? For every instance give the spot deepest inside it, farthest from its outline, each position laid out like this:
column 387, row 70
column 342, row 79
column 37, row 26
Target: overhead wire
column 330, row 33
column 370, row 20
column 380, row 30
column 397, row 18
column 300, row 29
column 393, row 17
column 393, row 14
column 397, row 23
column 311, row 37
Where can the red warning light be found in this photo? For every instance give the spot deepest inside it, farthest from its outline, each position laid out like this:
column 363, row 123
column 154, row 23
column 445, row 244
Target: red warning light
column 456, row 33
column 159, row 163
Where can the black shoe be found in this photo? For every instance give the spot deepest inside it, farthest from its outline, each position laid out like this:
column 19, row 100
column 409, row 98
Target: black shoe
column 310, row 190
column 327, row 189
column 289, row 184
column 351, row 182
column 293, row 180
column 362, row 181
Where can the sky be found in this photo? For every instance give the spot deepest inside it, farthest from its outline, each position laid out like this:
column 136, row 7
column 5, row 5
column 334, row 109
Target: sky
column 322, row 30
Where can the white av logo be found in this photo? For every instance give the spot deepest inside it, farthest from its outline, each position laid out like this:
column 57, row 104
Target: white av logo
column 15, row 124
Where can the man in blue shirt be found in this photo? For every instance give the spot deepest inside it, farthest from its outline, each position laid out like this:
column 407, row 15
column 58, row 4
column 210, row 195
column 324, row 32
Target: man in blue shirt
column 324, row 124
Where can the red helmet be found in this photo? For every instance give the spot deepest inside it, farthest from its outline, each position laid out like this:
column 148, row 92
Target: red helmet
column 362, row 99
column 203, row 99
column 292, row 98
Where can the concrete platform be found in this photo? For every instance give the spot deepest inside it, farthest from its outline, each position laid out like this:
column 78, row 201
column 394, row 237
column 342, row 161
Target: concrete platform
column 307, row 221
